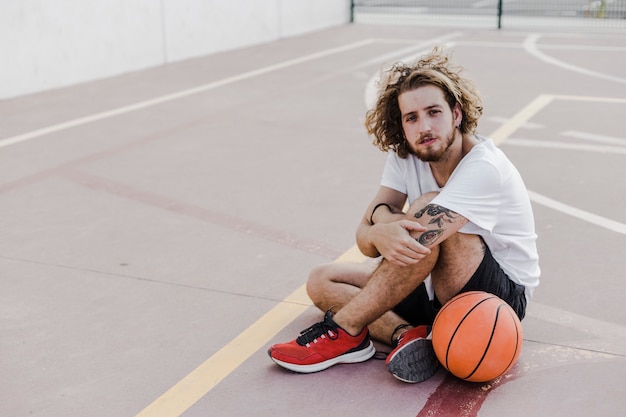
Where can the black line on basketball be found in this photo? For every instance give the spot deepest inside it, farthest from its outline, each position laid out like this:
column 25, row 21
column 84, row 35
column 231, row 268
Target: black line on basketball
column 517, row 346
column 493, row 330
column 459, row 325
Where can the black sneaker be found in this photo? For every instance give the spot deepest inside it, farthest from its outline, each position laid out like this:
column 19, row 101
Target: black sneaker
column 414, row 359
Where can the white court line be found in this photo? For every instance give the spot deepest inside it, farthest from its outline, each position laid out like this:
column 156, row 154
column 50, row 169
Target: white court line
column 177, row 95
column 522, row 117
column 371, row 88
column 612, row 100
column 527, row 125
column 487, row 3
column 529, row 143
column 551, row 46
column 206, row 87
column 609, row 224
column 484, row 3
column 599, row 328
column 530, row 45
column 518, row 120
column 409, row 53
column 595, row 48
column 594, row 137
column 600, row 336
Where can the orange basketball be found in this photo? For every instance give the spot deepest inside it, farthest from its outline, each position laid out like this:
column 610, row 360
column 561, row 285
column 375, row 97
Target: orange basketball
column 477, row 336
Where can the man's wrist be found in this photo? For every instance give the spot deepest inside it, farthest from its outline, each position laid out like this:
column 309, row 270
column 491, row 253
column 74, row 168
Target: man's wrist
column 377, row 206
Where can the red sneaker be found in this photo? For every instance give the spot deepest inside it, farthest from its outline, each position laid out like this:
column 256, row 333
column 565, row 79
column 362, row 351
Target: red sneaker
column 321, row 346
column 414, row 359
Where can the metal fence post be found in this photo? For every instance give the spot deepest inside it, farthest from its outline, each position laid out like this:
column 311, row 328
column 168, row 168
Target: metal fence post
column 352, row 11
column 499, row 14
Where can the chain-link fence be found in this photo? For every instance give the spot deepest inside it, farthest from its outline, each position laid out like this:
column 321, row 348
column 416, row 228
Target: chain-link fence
column 494, row 13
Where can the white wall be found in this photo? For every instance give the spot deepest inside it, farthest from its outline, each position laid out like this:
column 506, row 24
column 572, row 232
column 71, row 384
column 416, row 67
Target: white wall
column 47, row 44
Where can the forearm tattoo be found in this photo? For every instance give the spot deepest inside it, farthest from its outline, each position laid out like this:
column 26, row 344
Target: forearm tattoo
column 429, row 237
column 440, row 215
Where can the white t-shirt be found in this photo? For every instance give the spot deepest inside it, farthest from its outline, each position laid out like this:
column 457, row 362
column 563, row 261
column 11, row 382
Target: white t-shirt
column 487, row 190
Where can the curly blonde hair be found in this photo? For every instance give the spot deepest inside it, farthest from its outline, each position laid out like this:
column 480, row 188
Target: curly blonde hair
column 384, row 120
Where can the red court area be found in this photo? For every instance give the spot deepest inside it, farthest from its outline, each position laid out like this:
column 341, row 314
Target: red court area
column 159, row 226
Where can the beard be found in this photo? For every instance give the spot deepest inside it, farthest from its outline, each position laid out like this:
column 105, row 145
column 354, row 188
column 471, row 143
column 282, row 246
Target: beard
column 436, row 154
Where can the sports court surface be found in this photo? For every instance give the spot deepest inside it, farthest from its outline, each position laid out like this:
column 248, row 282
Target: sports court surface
column 158, row 228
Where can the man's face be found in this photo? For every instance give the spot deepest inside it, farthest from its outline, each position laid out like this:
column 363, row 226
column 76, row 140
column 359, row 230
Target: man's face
column 428, row 123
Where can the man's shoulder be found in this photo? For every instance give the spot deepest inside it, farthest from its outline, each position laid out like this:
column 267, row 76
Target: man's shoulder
column 487, row 151
column 484, row 144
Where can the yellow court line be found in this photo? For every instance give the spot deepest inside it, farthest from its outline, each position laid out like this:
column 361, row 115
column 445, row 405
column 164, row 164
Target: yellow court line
column 194, row 386
column 211, row 372
column 201, row 380
column 507, row 129
column 538, row 104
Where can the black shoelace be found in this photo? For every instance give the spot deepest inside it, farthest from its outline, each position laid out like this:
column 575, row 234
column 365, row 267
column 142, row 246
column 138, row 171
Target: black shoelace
column 317, row 330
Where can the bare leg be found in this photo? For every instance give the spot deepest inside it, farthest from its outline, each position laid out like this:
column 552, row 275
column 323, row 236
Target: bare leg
column 332, row 286
column 388, row 285
column 459, row 257
column 452, row 264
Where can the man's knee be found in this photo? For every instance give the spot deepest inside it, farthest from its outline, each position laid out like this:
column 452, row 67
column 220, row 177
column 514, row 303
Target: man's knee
column 317, row 278
column 333, row 277
column 464, row 246
column 459, row 258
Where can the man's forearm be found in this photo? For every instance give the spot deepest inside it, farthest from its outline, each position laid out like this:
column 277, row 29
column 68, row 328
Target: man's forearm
column 366, row 246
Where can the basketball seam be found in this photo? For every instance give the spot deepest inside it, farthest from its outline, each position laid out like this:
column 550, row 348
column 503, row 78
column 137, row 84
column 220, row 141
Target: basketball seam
column 459, row 325
column 516, row 341
column 493, row 330
column 456, row 298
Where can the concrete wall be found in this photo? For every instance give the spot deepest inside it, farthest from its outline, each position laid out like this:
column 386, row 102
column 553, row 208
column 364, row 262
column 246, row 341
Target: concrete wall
column 48, row 44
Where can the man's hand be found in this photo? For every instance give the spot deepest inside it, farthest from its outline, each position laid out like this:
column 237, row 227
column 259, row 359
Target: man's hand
column 395, row 244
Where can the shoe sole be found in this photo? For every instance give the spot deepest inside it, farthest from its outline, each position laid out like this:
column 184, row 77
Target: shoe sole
column 353, row 357
column 416, row 362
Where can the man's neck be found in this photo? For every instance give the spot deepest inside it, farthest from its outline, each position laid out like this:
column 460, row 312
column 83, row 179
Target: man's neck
column 443, row 169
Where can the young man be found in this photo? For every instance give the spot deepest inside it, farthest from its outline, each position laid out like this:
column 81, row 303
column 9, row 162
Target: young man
column 469, row 226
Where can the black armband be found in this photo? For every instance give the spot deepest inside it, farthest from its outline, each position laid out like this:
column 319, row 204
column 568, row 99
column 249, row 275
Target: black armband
column 374, row 211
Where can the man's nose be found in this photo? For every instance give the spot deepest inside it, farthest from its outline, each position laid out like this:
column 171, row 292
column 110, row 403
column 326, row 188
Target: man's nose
column 423, row 126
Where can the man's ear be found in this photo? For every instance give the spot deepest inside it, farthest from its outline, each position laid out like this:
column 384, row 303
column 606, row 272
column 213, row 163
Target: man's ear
column 457, row 112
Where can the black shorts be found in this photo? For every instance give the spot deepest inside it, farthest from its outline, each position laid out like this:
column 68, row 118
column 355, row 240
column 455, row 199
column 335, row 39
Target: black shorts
column 417, row 309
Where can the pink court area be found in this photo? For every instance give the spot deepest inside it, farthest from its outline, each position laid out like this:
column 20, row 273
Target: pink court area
column 159, row 227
